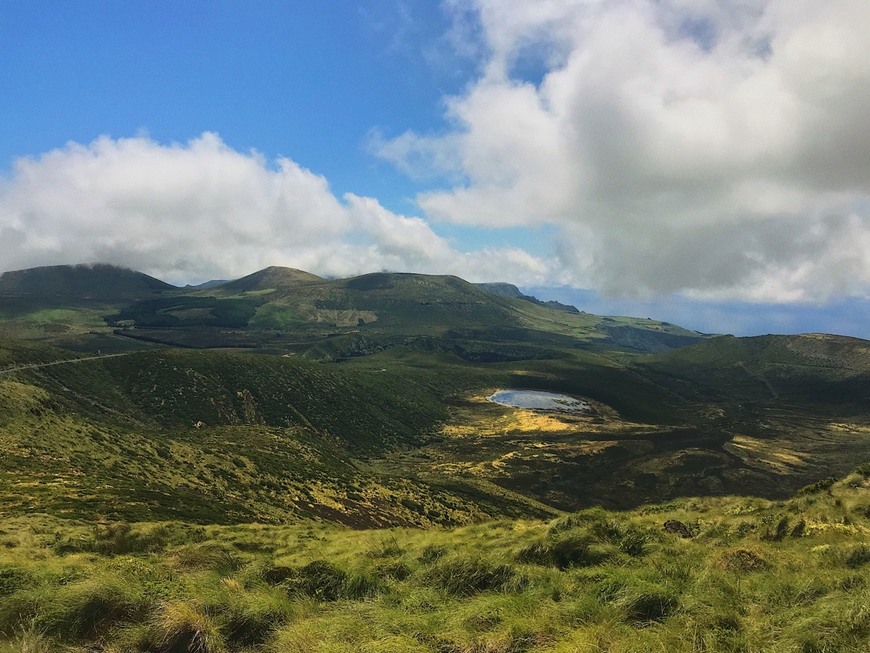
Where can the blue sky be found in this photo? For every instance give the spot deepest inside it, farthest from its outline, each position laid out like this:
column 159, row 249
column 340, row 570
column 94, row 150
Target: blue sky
column 302, row 79
column 704, row 162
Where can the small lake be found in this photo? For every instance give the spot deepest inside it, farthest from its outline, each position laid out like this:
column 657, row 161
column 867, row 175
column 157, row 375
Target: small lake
column 540, row 400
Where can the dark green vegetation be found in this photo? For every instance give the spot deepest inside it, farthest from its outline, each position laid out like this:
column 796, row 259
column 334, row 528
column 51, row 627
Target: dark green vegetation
column 171, row 418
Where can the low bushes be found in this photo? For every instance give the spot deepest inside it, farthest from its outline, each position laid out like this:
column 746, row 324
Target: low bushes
column 742, row 560
column 83, row 610
column 648, row 605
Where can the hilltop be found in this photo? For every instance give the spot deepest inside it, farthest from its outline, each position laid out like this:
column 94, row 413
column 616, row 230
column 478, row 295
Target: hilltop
column 80, row 283
column 271, row 278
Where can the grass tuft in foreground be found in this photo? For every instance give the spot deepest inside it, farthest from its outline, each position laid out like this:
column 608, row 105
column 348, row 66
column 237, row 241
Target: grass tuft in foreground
column 724, row 575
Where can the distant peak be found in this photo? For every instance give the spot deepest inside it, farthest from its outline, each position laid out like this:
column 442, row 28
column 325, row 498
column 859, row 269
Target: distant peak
column 83, row 280
column 273, row 276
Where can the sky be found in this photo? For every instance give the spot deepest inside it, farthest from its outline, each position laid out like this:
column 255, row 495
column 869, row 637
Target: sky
column 703, row 162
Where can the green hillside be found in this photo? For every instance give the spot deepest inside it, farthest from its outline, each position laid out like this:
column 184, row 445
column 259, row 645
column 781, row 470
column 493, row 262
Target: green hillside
column 80, row 283
column 104, row 308
column 290, row 463
column 271, row 278
column 732, row 574
column 67, row 305
column 231, row 436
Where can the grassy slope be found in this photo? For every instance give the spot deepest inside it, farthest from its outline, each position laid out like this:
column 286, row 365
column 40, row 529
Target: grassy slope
column 228, row 437
column 220, row 437
column 754, row 576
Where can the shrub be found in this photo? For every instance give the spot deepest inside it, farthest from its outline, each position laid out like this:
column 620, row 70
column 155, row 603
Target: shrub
column 17, row 610
column 431, row 553
column 13, row 579
column 323, row 581
column 277, row 574
column 633, row 541
column 360, row 586
column 818, row 486
column 778, row 532
column 29, row 641
column 119, row 538
column 392, row 570
column 250, row 619
column 387, row 548
column 590, row 516
column 207, row 555
column 799, row 529
column 320, row 579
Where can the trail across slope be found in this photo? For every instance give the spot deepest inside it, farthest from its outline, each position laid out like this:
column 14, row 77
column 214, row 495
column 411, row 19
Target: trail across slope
column 31, row 366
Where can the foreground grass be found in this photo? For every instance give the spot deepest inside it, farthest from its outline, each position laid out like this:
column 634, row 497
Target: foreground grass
column 753, row 576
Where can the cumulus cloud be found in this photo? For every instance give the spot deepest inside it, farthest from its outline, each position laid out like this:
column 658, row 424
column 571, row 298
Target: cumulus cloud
column 716, row 148
column 201, row 210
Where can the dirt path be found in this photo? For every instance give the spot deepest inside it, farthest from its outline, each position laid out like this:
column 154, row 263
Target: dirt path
column 755, row 375
column 31, row 366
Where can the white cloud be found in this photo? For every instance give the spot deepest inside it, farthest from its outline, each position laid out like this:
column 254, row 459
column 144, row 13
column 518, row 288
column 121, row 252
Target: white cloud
column 712, row 147
column 201, row 210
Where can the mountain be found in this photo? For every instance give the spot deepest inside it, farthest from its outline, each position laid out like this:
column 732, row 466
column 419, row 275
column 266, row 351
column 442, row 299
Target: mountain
column 280, row 307
column 404, row 435
column 66, row 304
column 105, row 308
column 510, row 290
column 205, row 285
column 502, row 289
column 80, row 282
column 271, row 278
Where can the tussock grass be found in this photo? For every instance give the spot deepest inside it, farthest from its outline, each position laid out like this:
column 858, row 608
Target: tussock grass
column 590, row 581
column 466, row 575
column 184, row 627
column 90, row 608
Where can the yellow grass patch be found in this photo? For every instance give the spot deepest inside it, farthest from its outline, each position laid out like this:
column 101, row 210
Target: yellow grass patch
column 325, row 495
column 856, row 429
column 770, row 453
column 517, row 421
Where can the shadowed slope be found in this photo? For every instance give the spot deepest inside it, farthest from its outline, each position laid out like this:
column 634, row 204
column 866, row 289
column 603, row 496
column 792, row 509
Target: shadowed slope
column 85, row 282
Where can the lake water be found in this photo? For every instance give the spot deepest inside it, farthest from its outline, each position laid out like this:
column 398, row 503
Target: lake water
column 540, row 400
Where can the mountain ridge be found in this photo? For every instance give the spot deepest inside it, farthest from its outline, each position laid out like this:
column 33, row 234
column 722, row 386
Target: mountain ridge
column 97, row 281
